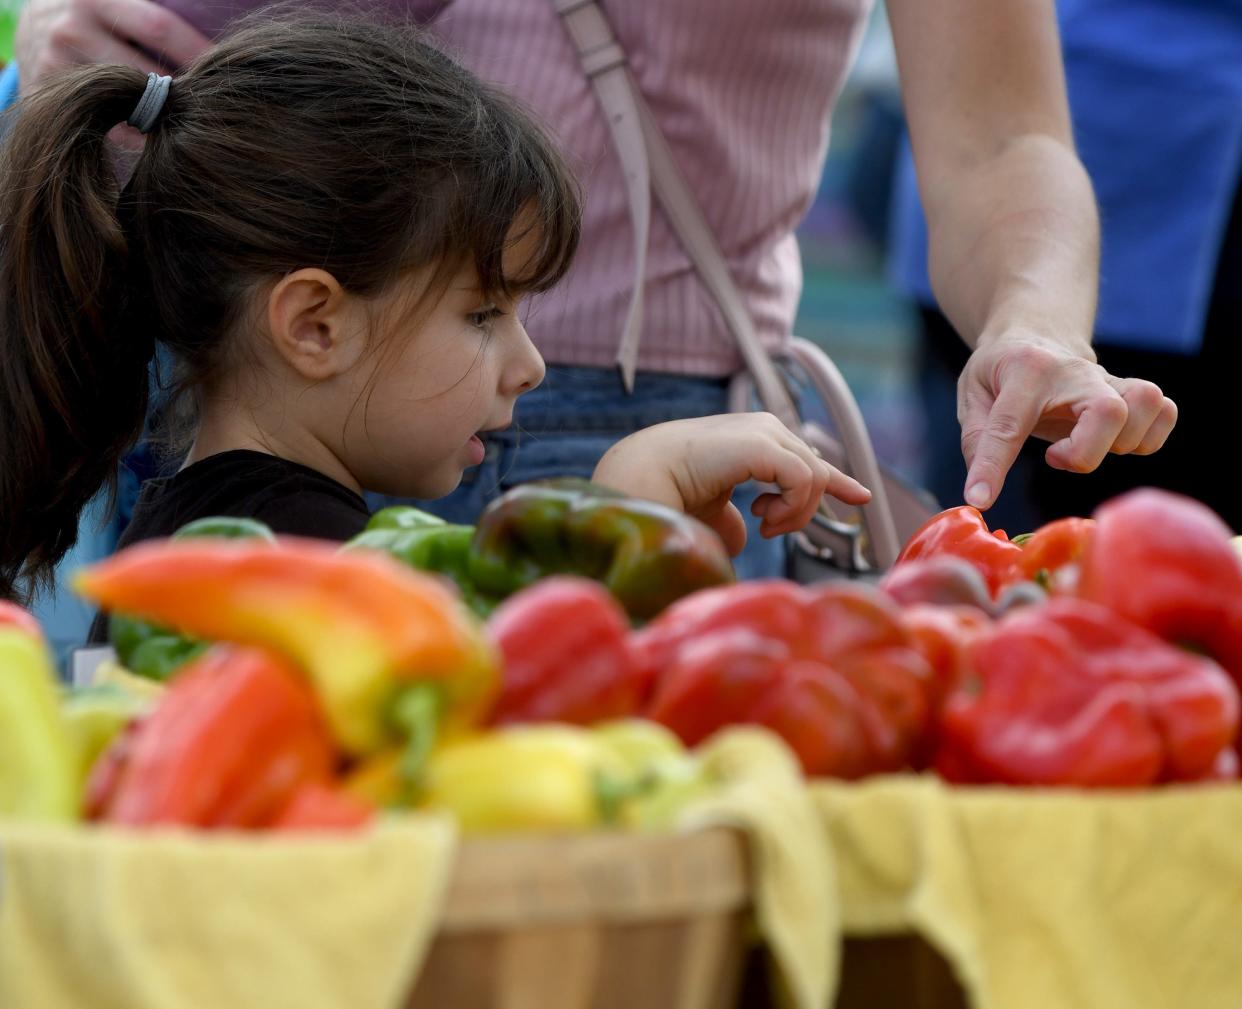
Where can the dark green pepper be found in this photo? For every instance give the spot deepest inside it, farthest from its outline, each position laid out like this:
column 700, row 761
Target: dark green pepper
column 646, row 554
column 156, row 652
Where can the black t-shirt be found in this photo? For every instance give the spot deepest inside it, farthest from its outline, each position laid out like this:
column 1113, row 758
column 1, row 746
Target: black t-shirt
column 292, row 499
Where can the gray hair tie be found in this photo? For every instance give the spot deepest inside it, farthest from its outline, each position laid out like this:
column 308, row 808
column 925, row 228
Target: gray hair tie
column 151, row 104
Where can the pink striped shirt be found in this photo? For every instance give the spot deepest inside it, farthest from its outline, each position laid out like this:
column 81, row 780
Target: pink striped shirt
column 743, row 91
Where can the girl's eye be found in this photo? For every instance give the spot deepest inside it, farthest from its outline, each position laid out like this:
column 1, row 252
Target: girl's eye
column 484, row 316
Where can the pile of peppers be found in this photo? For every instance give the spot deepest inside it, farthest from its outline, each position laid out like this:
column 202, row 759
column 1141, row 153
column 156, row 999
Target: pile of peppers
column 295, row 685
column 1128, row 675
column 830, row 669
column 316, row 686
column 318, row 658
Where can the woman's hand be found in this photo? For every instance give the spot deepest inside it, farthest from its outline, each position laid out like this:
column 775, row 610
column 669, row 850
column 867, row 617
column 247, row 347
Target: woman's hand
column 53, row 35
column 1022, row 385
column 693, row 466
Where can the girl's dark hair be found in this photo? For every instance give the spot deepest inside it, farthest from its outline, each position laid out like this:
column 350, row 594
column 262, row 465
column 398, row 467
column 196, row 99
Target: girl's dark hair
column 313, row 140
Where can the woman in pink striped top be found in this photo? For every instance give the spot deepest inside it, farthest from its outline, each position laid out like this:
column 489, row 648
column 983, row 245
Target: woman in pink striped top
column 743, row 91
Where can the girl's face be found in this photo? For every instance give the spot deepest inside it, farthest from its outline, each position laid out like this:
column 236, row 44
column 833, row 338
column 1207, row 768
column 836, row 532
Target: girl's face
column 453, row 373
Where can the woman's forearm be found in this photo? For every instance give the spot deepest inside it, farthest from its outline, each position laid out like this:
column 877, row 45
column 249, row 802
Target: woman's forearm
column 1014, row 245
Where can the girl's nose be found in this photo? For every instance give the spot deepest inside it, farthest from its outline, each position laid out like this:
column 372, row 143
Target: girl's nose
column 528, row 369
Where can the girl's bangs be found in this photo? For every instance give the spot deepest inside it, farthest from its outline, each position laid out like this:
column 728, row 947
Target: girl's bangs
column 526, row 192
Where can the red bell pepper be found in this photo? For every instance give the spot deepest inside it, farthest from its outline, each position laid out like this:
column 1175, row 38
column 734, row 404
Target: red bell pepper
column 316, row 806
column 1069, row 693
column 1166, row 562
column 565, row 647
column 831, row 669
column 943, row 635
column 743, row 676
column 12, row 615
column 1052, row 555
column 108, row 770
column 962, row 532
column 235, row 736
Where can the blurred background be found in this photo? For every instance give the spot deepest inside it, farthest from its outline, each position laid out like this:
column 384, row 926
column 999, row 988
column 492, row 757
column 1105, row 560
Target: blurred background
column 849, row 306
column 1155, row 90
column 1155, row 93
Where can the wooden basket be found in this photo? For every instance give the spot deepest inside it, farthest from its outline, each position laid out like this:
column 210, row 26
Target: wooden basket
column 595, row 921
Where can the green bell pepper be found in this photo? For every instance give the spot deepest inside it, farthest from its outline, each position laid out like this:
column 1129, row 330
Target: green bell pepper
column 225, row 527
column 156, row 652
column 440, row 548
column 404, row 517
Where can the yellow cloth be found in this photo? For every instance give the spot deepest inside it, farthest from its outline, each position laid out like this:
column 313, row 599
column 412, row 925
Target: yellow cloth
column 1050, row 898
column 762, row 792
column 103, row 919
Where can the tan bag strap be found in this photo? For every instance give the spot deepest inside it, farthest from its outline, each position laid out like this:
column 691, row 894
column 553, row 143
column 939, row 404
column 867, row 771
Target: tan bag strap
column 603, row 61
column 692, row 229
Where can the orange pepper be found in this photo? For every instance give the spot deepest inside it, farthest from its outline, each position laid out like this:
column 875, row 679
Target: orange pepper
column 363, row 626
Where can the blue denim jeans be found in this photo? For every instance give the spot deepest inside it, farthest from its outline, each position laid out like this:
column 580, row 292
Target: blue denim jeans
column 563, row 428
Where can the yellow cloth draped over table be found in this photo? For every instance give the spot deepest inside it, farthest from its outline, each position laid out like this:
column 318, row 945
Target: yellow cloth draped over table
column 96, row 918
column 1037, row 898
column 761, row 792
column 1043, row 899
column 104, row 919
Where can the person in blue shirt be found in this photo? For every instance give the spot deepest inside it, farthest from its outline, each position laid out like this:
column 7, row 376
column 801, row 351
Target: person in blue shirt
column 1155, row 90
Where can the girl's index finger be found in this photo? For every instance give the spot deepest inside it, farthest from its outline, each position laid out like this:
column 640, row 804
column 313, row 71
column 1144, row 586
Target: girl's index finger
column 844, row 487
column 836, row 483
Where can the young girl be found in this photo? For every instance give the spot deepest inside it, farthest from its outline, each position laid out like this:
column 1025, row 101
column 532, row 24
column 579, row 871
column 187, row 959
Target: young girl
column 329, row 229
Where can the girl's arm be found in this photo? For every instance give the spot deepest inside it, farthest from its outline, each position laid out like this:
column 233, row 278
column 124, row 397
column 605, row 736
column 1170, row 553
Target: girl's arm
column 1014, row 238
column 693, row 466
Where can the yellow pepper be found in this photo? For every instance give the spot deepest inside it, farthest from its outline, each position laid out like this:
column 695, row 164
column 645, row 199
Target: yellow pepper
column 38, row 779
column 631, row 773
column 525, row 778
column 665, row 776
column 94, row 716
column 640, row 742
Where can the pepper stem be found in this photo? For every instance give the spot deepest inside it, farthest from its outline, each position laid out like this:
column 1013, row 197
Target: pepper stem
column 416, row 713
column 613, row 792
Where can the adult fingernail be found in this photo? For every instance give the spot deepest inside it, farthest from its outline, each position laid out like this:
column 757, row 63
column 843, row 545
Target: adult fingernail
column 979, row 494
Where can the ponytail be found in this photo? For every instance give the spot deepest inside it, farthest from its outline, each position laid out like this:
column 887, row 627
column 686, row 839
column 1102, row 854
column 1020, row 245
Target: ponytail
column 73, row 354
column 388, row 158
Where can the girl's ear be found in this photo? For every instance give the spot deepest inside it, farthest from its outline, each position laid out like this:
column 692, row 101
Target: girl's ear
column 316, row 327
